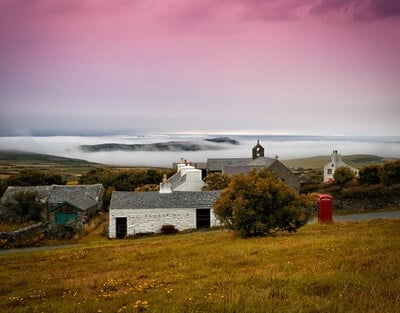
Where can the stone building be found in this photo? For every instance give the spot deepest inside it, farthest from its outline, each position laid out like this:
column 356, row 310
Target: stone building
column 61, row 203
column 234, row 166
column 133, row 213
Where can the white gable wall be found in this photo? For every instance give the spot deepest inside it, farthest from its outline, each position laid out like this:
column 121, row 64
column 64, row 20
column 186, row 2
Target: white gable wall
column 333, row 165
column 151, row 220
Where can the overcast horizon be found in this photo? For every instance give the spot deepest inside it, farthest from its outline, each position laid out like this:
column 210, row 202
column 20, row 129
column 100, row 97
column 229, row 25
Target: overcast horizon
column 309, row 67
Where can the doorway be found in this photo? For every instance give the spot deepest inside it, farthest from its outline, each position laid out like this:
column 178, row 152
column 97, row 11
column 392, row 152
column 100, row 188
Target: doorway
column 202, row 218
column 122, row 227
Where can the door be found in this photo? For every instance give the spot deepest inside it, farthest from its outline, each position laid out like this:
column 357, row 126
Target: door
column 62, row 218
column 202, row 218
column 122, row 227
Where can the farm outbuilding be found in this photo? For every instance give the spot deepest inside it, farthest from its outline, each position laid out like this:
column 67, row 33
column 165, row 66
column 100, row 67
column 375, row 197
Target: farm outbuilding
column 133, row 213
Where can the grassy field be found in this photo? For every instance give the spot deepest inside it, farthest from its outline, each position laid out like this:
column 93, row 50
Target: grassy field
column 341, row 267
column 318, row 162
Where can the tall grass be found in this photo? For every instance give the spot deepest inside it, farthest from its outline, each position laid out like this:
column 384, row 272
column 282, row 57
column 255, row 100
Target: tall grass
column 342, row 267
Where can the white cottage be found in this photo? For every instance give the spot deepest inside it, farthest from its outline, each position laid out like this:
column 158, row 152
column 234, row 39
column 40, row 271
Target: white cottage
column 133, row 213
column 187, row 178
column 333, row 165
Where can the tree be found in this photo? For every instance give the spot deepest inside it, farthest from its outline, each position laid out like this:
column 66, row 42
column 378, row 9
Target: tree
column 34, row 178
column 259, row 204
column 27, row 207
column 369, row 175
column 343, row 175
column 216, row 181
column 390, row 173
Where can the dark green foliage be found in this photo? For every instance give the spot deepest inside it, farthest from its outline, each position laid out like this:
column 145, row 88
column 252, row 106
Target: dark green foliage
column 27, row 207
column 390, row 173
column 216, row 181
column 127, row 180
column 34, row 178
column 343, row 175
column 369, row 175
column 259, row 204
column 31, row 178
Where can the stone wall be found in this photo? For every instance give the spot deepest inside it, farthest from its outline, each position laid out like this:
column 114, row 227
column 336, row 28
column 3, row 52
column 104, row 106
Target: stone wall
column 26, row 236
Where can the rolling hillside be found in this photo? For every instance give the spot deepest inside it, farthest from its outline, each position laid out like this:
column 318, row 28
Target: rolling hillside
column 318, row 162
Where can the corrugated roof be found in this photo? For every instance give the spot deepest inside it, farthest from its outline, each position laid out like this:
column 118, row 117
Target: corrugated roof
column 153, row 200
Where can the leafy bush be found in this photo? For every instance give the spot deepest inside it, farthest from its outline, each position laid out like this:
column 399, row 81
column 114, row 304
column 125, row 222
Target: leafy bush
column 168, row 229
column 343, row 175
column 390, row 173
column 259, row 204
column 216, row 181
column 369, row 175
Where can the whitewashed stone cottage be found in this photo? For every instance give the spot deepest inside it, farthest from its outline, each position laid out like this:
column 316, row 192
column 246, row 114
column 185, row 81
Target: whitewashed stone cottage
column 133, row 213
column 187, row 178
column 333, row 165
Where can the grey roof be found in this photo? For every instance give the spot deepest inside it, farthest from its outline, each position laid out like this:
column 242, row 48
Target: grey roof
column 262, row 161
column 82, row 203
column 61, row 193
column 176, row 180
column 155, row 200
column 43, row 192
column 235, row 170
column 217, row 165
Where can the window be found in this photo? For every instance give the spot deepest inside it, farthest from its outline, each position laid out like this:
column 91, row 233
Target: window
column 329, row 171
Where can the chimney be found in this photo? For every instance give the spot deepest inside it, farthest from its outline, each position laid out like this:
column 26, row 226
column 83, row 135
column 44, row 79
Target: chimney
column 165, row 186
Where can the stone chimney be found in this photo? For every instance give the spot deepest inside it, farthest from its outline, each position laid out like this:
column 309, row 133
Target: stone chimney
column 165, row 186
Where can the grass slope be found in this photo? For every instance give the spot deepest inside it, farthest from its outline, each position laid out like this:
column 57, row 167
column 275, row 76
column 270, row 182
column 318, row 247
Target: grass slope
column 318, row 162
column 341, row 267
column 12, row 162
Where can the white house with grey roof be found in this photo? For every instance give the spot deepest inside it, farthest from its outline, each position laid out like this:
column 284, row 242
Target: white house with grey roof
column 133, row 213
column 186, row 178
column 333, row 165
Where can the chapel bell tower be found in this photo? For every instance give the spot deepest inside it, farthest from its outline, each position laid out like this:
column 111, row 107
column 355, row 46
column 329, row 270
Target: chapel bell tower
column 258, row 150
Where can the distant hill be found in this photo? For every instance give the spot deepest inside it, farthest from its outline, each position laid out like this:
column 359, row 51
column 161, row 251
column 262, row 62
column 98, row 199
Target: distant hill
column 15, row 155
column 318, row 162
column 163, row 146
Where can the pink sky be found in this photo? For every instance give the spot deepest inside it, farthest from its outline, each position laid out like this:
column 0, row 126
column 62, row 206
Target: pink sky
column 283, row 66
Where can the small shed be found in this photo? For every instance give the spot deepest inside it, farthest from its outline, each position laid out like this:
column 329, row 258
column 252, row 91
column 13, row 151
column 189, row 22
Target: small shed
column 132, row 213
column 74, row 210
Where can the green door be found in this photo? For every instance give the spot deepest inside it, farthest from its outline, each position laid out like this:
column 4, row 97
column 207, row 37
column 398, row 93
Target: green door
column 63, row 218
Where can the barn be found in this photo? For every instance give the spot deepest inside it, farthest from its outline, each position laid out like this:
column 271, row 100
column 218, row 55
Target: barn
column 133, row 213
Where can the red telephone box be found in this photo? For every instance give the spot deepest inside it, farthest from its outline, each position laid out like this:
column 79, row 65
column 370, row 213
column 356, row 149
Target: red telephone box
column 324, row 208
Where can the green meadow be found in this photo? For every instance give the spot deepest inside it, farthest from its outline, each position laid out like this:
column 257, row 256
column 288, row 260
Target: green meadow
column 338, row 267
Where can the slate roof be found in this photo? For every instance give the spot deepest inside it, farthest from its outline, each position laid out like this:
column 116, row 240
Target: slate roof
column 176, row 180
column 235, row 170
column 43, row 192
column 155, row 200
column 61, row 193
column 262, row 161
column 217, row 165
column 81, row 203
